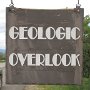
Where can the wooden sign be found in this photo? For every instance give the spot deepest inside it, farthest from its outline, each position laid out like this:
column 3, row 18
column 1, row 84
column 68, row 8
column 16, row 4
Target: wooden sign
column 44, row 46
